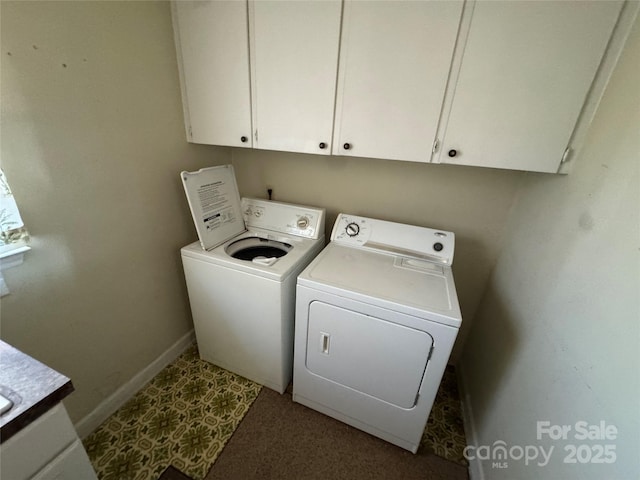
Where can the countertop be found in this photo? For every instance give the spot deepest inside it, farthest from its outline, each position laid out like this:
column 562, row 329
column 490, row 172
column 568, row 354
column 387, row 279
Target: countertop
column 33, row 388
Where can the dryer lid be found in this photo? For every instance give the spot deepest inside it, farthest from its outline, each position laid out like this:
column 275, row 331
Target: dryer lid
column 214, row 201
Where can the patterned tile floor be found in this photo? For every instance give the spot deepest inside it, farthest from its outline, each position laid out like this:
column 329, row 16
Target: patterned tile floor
column 444, row 434
column 183, row 417
column 189, row 411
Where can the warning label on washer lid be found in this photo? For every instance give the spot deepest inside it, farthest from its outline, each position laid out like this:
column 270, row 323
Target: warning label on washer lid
column 216, row 203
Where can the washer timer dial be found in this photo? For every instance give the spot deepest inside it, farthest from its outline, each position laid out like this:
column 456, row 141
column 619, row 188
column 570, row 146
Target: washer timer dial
column 302, row 223
column 352, row 229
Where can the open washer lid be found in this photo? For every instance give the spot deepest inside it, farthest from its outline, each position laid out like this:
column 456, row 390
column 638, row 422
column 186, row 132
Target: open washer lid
column 214, row 201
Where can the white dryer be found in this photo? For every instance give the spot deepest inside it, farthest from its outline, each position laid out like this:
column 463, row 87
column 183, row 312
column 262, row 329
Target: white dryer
column 376, row 318
column 241, row 275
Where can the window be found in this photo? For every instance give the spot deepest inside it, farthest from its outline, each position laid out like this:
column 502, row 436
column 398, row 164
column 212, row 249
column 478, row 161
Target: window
column 14, row 237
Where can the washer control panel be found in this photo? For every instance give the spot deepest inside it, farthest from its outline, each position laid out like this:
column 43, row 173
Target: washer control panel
column 281, row 217
column 406, row 240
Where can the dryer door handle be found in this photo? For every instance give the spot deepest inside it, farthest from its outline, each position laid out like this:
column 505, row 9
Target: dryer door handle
column 325, row 341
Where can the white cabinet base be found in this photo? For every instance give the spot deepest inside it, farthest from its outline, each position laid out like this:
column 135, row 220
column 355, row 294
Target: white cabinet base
column 72, row 463
column 48, row 448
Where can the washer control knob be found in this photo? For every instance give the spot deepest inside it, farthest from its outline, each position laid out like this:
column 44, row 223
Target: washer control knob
column 438, row 247
column 352, row 229
column 302, row 223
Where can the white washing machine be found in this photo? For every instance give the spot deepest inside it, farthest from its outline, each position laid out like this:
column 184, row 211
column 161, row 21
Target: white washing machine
column 241, row 275
column 376, row 317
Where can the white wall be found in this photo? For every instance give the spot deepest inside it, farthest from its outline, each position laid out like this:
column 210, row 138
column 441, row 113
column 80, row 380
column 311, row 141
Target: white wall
column 557, row 335
column 92, row 143
column 472, row 202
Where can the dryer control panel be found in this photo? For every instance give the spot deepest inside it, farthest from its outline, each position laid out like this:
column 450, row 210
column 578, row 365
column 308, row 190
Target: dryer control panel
column 307, row 222
column 396, row 238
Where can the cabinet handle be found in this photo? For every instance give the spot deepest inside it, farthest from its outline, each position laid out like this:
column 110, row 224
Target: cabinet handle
column 322, row 145
column 243, row 139
column 347, row 146
column 453, row 153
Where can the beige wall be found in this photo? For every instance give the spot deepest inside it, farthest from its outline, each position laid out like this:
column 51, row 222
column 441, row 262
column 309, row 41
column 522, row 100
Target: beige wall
column 557, row 335
column 92, row 143
column 471, row 202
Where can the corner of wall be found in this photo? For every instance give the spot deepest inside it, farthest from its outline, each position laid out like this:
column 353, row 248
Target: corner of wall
column 475, row 466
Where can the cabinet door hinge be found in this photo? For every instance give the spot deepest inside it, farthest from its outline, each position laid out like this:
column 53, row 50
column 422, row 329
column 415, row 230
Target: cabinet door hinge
column 190, row 132
column 565, row 155
column 436, row 144
column 430, row 353
column 255, row 135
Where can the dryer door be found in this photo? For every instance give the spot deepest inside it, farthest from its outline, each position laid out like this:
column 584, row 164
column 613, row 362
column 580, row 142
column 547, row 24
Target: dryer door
column 379, row 358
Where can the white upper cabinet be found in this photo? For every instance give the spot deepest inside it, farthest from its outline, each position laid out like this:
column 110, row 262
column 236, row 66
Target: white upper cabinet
column 294, row 49
column 524, row 74
column 506, row 84
column 213, row 56
column 394, row 62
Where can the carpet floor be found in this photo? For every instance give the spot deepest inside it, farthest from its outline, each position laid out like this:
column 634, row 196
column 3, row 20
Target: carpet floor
column 280, row 439
column 190, row 416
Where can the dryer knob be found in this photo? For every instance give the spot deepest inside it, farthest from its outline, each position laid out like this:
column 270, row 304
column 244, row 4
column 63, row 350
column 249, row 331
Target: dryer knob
column 352, row 229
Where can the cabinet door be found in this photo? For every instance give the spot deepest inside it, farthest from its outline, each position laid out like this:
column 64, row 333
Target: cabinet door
column 212, row 42
column 394, row 62
column 524, row 75
column 295, row 57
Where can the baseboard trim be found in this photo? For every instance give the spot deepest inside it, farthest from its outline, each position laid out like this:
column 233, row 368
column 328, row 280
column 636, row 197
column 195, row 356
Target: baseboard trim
column 475, row 466
column 118, row 398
